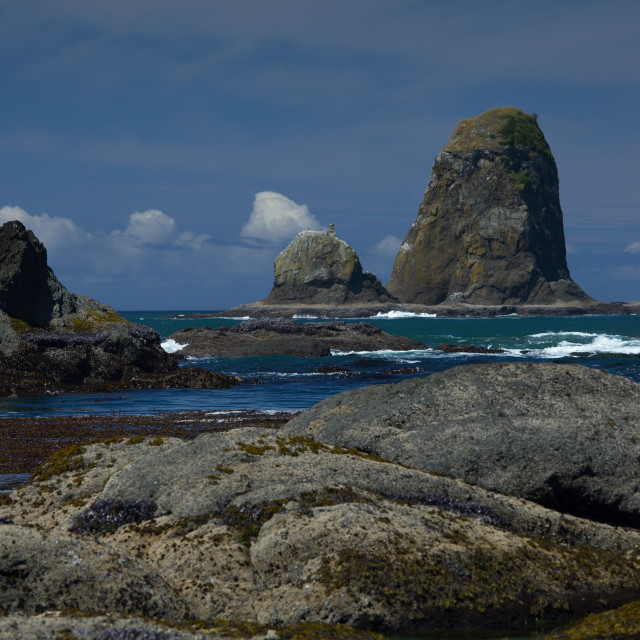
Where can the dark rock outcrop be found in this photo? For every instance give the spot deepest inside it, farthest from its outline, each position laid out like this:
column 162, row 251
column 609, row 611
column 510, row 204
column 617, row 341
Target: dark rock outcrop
column 279, row 336
column 319, row 268
column 489, row 230
column 29, row 290
column 52, row 339
column 564, row 436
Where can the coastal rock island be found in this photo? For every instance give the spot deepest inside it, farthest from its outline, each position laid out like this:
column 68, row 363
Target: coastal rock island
column 53, row 340
column 488, row 240
column 321, row 269
column 489, row 230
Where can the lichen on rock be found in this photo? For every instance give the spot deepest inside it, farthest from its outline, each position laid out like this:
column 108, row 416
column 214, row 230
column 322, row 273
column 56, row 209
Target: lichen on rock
column 320, row 268
column 489, row 230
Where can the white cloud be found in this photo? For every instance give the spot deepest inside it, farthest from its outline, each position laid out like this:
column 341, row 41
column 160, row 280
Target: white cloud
column 388, row 246
column 52, row 231
column 275, row 218
column 634, row 247
column 150, row 227
column 191, row 240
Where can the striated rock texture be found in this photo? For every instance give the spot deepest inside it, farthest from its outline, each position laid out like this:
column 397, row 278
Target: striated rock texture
column 564, row 436
column 52, row 339
column 489, row 230
column 319, row 268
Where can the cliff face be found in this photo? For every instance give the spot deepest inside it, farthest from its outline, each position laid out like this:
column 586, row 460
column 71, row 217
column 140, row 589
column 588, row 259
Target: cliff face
column 29, row 290
column 319, row 268
column 489, row 230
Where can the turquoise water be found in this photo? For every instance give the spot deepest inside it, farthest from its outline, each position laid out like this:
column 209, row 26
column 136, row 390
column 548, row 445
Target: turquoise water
column 285, row 383
column 605, row 342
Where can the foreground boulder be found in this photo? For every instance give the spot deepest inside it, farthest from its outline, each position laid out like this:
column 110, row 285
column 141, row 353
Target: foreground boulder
column 564, row 436
column 262, row 528
column 489, row 230
column 52, row 339
column 279, row 336
column 319, row 268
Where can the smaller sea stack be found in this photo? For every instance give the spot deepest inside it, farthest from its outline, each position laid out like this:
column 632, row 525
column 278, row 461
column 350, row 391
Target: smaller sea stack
column 319, row 268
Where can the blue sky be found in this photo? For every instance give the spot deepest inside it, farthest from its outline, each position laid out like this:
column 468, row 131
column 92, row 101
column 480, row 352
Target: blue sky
column 165, row 151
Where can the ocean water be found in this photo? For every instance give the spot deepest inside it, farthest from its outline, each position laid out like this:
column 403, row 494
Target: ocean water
column 286, row 383
column 611, row 343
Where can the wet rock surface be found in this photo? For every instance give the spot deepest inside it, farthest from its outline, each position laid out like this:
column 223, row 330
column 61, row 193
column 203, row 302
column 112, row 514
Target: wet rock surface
column 264, row 528
column 564, row 436
column 489, row 230
column 53, row 340
column 280, row 336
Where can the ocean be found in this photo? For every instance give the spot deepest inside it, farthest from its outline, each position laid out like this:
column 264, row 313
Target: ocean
column 284, row 383
column 611, row 343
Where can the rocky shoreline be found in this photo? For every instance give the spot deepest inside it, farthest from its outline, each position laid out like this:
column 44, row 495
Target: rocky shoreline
column 433, row 502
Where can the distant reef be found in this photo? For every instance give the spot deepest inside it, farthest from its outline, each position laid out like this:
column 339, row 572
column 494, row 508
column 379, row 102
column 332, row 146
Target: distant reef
column 52, row 340
column 488, row 240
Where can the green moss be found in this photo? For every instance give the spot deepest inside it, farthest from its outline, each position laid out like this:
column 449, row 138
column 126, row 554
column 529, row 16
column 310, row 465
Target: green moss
column 227, row 470
column 248, row 519
column 527, row 581
column 20, row 326
column 522, row 130
column 254, row 450
column 136, row 440
column 5, row 500
column 496, row 128
column 617, row 624
column 67, row 459
column 92, row 320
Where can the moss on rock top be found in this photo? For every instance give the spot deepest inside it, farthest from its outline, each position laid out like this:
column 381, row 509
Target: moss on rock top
column 496, row 128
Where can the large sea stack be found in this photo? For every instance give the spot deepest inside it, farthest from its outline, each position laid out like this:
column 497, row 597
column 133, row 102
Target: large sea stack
column 319, row 268
column 489, row 230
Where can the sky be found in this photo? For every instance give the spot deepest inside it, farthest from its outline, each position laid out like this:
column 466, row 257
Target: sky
column 165, row 151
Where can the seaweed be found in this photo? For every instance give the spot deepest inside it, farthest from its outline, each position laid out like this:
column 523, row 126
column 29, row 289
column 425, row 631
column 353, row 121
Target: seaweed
column 107, row 514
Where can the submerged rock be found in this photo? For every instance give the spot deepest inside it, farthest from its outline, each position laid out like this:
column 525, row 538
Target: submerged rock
column 489, row 230
column 564, row 436
column 280, row 336
column 319, row 268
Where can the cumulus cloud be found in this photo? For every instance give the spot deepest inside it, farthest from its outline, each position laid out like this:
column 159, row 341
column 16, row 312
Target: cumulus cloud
column 388, row 246
column 275, row 217
column 634, row 247
column 150, row 227
column 54, row 232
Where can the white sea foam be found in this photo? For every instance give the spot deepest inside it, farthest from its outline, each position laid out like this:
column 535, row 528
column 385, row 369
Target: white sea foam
column 171, row 346
column 394, row 315
column 234, row 317
column 388, row 354
column 297, row 317
column 551, row 334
